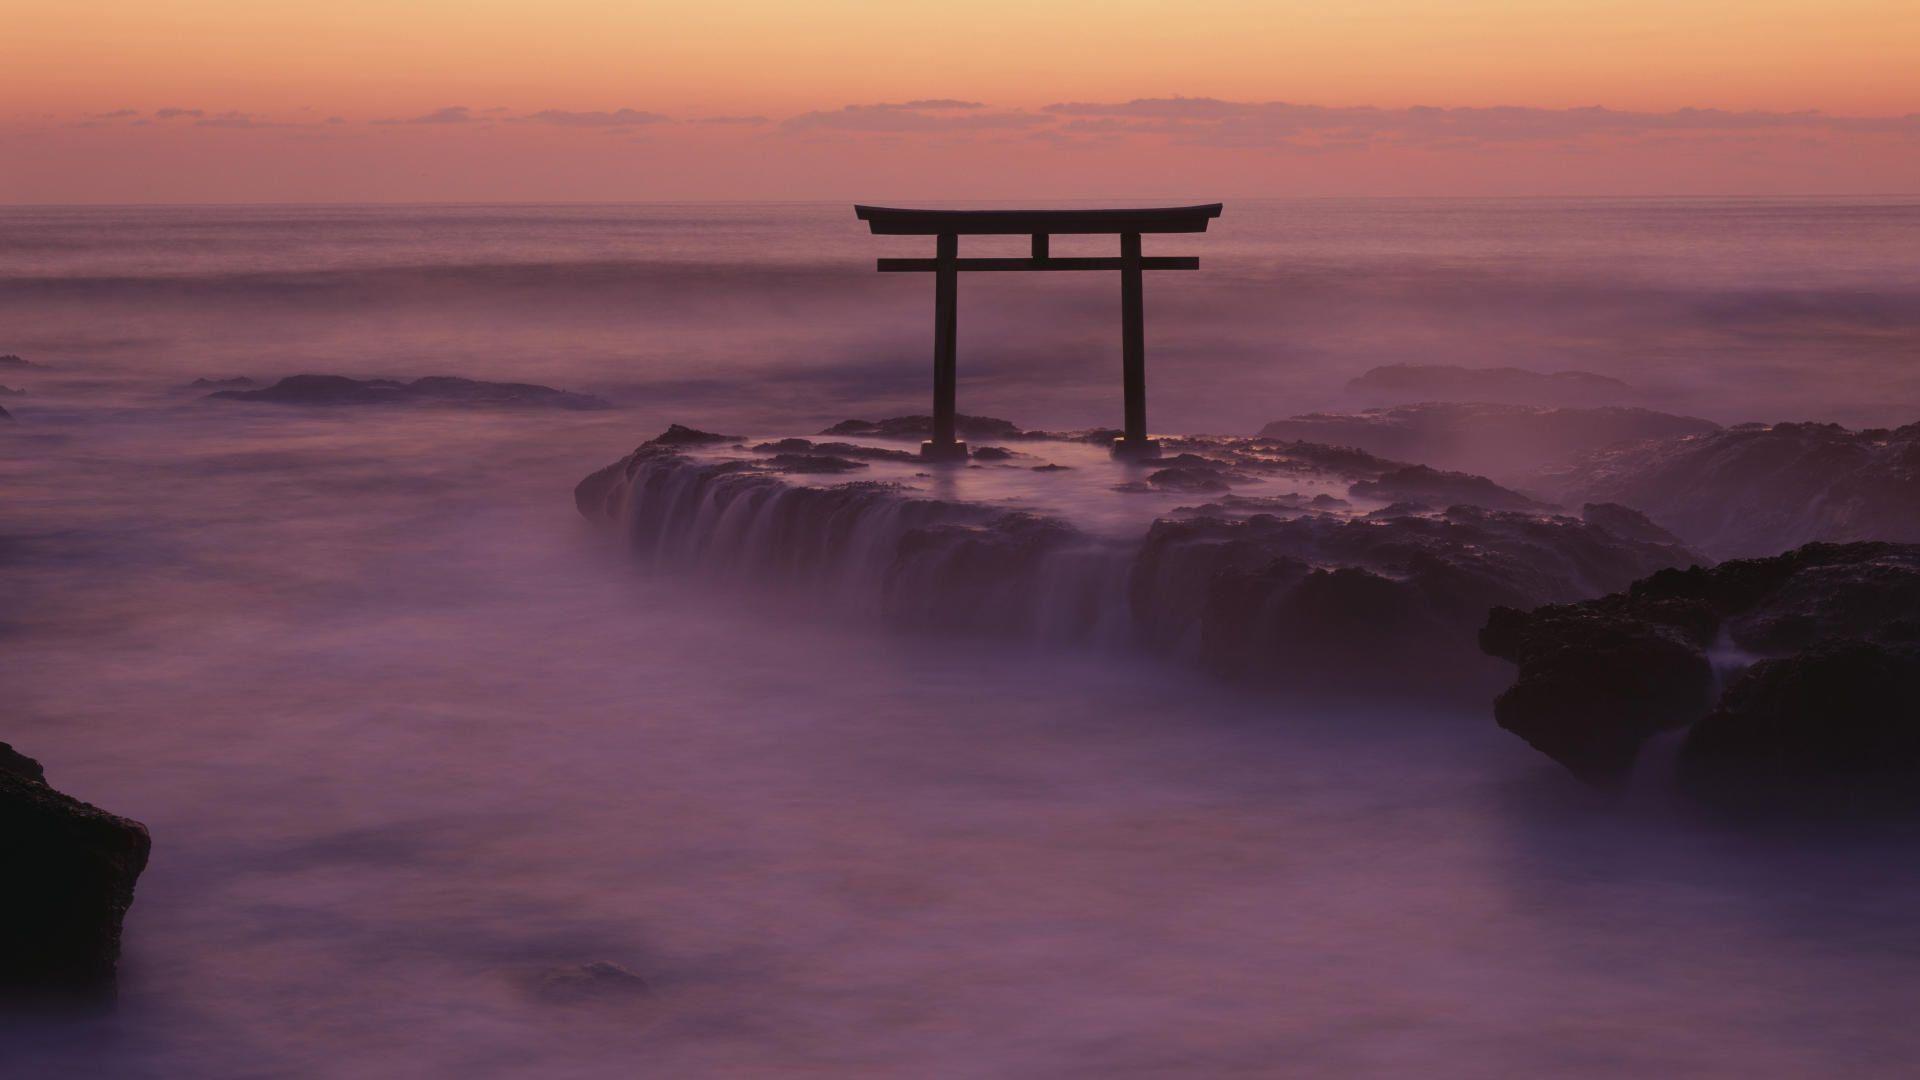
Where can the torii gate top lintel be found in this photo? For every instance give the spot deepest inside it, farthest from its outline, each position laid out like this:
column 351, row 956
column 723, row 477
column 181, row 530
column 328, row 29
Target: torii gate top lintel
column 949, row 225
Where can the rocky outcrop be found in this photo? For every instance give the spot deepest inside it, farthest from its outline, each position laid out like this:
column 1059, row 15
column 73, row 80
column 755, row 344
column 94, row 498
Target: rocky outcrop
column 1404, row 383
column 1500, row 440
column 1815, row 650
column 69, row 870
column 236, row 382
column 1421, row 484
column 921, row 427
column 338, row 390
column 1757, row 489
column 11, row 361
column 1388, row 603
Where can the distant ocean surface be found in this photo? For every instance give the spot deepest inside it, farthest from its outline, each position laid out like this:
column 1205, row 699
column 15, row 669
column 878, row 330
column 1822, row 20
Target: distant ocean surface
column 1737, row 309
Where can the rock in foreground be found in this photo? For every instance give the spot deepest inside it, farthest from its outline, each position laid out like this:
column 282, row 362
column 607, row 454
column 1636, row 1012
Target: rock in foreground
column 1819, row 650
column 68, row 870
column 336, row 390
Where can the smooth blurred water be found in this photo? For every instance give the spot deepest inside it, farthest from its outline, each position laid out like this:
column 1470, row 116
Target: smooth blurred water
column 408, row 734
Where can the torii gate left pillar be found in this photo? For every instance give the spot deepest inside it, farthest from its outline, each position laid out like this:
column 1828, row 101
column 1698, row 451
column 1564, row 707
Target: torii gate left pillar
column 949, row 225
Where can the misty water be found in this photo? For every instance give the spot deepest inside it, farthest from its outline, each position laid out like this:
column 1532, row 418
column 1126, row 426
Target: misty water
column 409, row 734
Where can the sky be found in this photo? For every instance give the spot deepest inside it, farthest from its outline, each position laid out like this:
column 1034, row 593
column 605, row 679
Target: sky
column 438, row 100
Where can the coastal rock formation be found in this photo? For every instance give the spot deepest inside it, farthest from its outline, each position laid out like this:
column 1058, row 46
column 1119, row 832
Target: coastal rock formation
column 237, row 382
column 1816, row 650
column 1496, row 439
column 432, row 390
column 1756, row 489
column 1403, row 383
column 1421, row 484
column 1387, row 602
column 69, row 870
column 1301, row 586
column 5, row 415
column 11, row 361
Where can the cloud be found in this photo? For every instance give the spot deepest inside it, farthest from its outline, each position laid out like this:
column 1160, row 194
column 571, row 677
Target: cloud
column 116, row 114
column 731, row 120
column 170, row 113
column 234, row 119
column 925, row 115
column 452, row 114
column 1214, row 121
column 616, row 119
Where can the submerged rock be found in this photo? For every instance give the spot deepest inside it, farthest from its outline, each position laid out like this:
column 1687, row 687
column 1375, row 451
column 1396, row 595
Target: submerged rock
column 1757, row 489
column 1813, row 647
column 1400, row 383
column 69, row 870
column 1503, row 440
column 431, row 390
column 596, row 982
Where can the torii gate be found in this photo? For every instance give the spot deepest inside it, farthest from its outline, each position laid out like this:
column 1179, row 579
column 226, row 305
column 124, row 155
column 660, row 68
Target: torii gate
column 950, row 225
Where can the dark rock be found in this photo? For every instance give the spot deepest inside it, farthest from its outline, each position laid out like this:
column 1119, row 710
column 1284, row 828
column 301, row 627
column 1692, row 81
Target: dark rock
column 1400, row 383
column 1388, row 604
column 1758, row 489
column 921, row 427
column 1051, row 467
column 1833, row 729
column 812, row 463
column 1599, row 677
column 5, row 415
column 237, row 382
column 336, row 390
column 1628, row 522
column 69, row 870
column 1504, row 440
column 8, row 391
column 1418, row 483
column 1188, row 478
column 12, row 361
column 992, row 453
column 835, row 449
column 680, row 435
column 596, row 982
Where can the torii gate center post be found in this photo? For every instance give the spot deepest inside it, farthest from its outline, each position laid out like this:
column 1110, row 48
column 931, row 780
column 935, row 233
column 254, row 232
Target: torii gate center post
column 948, row 226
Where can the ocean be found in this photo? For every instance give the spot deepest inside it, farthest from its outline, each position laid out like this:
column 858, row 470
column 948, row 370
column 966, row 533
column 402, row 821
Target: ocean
column 409, row 736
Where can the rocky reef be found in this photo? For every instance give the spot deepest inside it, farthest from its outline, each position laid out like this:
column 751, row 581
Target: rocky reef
column 1332, row 586
column 1389, row 601
column 339, row 390
column 1397, row 384
column 1758, row 489
column 1495, row 439
column 69, row 870
column 1796, row 678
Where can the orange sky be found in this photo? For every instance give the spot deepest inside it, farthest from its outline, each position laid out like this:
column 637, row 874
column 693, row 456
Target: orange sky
column 295, row 101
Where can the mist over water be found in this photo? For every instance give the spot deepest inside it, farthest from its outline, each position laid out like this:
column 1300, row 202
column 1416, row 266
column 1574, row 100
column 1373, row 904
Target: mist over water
column 408, row 734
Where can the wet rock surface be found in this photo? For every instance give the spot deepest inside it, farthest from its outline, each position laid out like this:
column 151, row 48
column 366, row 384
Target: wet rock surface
column 1385, row 603
column 339, row 390
column 69, row 870
column 1399, row 383
column 1497, row 439
column 1758, row 489
column 1300, row 586
column 1816, row 649
column 1423, row 484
